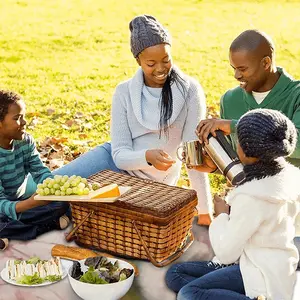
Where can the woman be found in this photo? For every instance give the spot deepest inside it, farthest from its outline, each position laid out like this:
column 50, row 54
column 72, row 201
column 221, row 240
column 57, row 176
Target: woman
column 256, row 240
column 152, row 114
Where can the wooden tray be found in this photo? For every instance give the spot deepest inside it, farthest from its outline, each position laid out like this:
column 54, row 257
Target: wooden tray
column 83, row 198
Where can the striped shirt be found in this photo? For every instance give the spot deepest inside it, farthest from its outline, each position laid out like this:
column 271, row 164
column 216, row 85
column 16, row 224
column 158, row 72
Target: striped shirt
column 15, row 165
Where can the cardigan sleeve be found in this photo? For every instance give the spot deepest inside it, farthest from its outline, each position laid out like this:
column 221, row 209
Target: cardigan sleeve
column 229, row 234
column 196, row 111
column 124, row 156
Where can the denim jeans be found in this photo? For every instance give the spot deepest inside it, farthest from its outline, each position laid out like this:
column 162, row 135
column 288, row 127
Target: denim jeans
column 206, row 280
column 96, row 160
column 91, row 162
column 33, row 222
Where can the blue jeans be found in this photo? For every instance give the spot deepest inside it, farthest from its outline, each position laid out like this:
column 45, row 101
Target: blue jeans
column 96, row 160
column 91, row 162
column 206, row 280
column 33, row 222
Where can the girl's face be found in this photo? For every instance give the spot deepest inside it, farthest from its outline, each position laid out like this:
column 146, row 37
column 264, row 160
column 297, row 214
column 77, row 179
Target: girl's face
column 12, row 127
column 156, row 63
column 245, row 160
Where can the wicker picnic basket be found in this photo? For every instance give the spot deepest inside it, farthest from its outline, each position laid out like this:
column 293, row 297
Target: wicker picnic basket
column 151, row 221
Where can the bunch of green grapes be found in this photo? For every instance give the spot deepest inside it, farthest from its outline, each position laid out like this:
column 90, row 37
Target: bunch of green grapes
column 64, row 186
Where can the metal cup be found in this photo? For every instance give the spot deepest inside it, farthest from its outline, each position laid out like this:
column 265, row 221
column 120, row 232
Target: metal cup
column 193, row 153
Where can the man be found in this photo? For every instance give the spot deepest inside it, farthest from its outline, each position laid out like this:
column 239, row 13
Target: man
column 262, row 85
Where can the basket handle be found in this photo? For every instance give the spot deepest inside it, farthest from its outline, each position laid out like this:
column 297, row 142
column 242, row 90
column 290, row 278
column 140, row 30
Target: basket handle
column 70, row 235
column 168, row 260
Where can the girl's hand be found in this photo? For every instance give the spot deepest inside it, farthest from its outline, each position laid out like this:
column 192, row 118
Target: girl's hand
column 207, row 166
column 159, row 159
column 220, row 206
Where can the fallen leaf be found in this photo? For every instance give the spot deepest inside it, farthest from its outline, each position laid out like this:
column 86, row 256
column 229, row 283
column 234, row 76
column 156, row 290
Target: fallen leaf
column 33, row 114
column 55, row 163
column 88, row 125
column 82, row 136
column 33, row 123
column 50, row 111
column 65, row 127
column 54, row 152
column 57, row 147
column 79, row 143
column 52, row 140
column 69, row 123
column 56, row 155
column 78, row 115
column 78, row 121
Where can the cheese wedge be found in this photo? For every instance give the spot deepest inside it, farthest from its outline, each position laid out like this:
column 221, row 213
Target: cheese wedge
column 108, row 191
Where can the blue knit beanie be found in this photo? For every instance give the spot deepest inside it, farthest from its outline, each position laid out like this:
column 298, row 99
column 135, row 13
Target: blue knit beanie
column 266, row 134
column 146, row 32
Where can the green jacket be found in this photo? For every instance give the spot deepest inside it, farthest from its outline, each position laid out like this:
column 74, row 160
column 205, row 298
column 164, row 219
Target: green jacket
column 284, row 96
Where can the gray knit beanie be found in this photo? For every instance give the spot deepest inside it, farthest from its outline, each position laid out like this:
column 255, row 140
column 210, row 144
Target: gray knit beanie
column 266, row 134
column 146, row 31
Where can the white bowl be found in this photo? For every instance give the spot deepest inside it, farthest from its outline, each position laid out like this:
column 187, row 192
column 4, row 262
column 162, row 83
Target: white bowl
column 110, row 291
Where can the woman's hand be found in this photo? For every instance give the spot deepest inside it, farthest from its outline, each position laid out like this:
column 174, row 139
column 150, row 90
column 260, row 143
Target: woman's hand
column 159, row 159
column 220, row 206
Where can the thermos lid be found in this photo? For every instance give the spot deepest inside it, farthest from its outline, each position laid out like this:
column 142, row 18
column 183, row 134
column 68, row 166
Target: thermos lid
column 238, row 179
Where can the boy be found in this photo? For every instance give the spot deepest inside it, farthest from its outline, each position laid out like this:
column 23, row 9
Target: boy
column 22, row 217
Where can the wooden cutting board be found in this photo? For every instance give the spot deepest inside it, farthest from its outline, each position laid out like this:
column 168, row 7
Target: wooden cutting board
column 83, row 198
column 77, row 253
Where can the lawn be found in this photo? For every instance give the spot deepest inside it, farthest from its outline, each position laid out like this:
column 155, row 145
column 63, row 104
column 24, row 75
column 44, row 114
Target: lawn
column 67, row 56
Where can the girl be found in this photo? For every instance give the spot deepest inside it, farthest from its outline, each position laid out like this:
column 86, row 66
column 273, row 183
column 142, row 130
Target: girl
column 152, row 114
column 259, row 232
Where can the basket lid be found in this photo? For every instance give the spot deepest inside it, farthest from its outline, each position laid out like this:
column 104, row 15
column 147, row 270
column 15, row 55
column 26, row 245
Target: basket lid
column 146, row 196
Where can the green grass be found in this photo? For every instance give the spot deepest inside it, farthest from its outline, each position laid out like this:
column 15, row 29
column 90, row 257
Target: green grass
column 70, row 54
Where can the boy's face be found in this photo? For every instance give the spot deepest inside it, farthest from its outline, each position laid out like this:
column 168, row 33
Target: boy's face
column 12, row 127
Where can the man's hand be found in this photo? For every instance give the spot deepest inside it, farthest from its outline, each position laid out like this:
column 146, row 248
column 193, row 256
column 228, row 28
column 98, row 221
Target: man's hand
column 220, row 206
column 205, row 127
column 159, row 159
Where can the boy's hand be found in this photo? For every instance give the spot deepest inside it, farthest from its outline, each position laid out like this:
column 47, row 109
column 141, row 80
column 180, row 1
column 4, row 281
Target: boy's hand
column 159, row 159
column 42, row 202
column 30, row 203
column 39, row 202
column 220, row 206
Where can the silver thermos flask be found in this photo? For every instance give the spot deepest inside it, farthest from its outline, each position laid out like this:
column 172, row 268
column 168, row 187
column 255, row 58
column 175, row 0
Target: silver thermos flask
column 225, row 158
